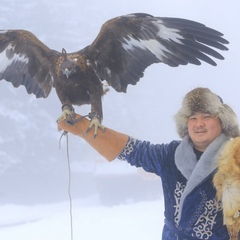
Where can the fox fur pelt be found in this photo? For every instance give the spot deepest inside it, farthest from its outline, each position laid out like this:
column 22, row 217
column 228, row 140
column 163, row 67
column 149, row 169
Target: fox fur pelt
column 227, row 184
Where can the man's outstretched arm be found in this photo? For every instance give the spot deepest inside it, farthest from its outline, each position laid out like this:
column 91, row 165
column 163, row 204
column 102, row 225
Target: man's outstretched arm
column 108, row 143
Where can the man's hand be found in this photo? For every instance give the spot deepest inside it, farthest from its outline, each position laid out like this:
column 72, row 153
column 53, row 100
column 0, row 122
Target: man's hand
column 78, row 129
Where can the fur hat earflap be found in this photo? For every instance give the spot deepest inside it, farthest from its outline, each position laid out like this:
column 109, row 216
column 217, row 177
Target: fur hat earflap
column 203, row 100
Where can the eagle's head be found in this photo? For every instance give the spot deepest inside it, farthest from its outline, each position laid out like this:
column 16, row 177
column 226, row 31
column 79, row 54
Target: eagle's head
column 68, row 66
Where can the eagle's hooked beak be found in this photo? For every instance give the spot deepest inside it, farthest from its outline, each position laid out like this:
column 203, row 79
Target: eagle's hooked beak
column 66, row 72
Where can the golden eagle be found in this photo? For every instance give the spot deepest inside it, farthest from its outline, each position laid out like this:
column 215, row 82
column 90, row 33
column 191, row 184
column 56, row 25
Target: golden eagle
column 124, row 48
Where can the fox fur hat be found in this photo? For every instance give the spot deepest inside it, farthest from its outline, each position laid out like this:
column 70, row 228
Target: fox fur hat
column 203, row 100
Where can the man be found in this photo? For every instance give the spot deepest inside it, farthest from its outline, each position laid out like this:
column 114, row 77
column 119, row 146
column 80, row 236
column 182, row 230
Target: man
column 186, row 167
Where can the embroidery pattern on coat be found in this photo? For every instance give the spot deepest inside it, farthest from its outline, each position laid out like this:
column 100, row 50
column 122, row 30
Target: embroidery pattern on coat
column 204, row 225
column 127, row 149
column 177, row 195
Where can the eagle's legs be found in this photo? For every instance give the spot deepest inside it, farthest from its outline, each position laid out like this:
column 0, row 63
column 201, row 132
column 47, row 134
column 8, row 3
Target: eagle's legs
column 95, row 123
column 68, row 114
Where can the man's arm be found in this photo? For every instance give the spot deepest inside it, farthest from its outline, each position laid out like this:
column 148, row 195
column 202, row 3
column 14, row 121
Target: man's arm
column 108, row 143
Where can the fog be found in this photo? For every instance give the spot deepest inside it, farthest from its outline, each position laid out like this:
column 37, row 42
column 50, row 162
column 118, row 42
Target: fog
column 34, row 174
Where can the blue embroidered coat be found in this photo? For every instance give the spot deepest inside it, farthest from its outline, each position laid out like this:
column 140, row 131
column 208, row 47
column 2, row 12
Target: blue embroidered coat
column 191, row 210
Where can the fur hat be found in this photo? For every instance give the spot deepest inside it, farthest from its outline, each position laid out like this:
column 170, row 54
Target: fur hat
column 203, row 100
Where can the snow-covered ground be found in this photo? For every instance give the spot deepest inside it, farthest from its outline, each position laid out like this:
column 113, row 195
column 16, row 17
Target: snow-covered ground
column 110, row 200
column 140, row 221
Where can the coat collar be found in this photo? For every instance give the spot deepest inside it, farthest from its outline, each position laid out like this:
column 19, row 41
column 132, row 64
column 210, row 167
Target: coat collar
column 186, row 160
column 196, row 171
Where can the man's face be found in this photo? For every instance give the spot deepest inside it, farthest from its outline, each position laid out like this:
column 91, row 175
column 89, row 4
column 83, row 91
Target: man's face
column 203, row 128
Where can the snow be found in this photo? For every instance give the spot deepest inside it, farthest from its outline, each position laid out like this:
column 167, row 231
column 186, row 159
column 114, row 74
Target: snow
column 140, row 221
column 110, row 200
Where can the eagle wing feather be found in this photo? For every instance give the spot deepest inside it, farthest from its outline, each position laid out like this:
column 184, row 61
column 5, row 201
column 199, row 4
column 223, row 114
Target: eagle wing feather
column 144, row 40
column 25, row 60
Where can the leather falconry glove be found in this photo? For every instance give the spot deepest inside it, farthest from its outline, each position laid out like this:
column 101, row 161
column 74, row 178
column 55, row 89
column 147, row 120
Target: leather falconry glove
column 108, row 143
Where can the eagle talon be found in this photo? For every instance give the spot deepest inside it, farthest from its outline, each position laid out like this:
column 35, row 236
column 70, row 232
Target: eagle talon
column 96, row 124
column 69, row 122
column 68, row 116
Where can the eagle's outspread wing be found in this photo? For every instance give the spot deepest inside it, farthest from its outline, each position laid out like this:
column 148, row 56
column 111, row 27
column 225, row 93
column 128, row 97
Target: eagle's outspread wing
column 25, row 60
column 128, row 44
